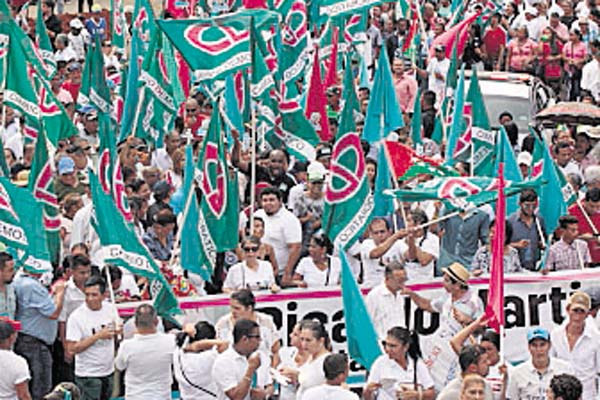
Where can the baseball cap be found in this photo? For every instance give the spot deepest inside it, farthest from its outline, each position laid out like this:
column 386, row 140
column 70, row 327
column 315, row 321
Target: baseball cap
column 439, row 47
column 532, row 11
column 316, row 176
column 96, row 8
column 324, row 151
column 76, row 23
column 74, row 67
column 538, row 333
column 524, row 158
column 334, row 90
column 66, row 165
column 579, row 300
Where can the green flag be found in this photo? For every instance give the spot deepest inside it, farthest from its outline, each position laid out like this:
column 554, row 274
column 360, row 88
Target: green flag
column 384, row 205
column 118, row 24
column 27, row 90
column 94, row 91
column 21, row 219
column 334, row 8
column 416, row 123
column 122, row 247
column 557, row 194
column 349, row 202
column 217, row 210
column 41, row 184
column 483, row 139
column 44, row 45
column 196, row 253
column 461, row 193
column 156, row 112
column 360, row 332
column 212, row 50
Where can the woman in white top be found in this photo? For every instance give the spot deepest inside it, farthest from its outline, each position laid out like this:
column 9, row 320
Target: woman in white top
column 401, row 370
column 319, row 268
column 314, row 340
column 292, row 358
column 251, row 273
column 193, row 371
column 242, row 305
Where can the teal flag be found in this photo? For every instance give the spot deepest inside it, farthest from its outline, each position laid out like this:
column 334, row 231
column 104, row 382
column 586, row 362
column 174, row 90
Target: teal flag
column 348, row 199
column 458, row 123
column 384, row 205
column 361, row 337
column 122, row 247
column 483, row 139
column 383, row 113
column 416, row 123
column 557, row 194
column 505, row 153
column 196, row 253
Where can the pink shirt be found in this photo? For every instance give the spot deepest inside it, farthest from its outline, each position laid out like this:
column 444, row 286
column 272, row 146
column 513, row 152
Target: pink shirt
column 521, row 53
column 576, row 51
column 406, row 90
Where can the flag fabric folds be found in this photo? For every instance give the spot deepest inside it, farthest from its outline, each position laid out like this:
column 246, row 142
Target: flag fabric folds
column 123, row 248
column 348, row 199
column 494, row 310
column 360, row 333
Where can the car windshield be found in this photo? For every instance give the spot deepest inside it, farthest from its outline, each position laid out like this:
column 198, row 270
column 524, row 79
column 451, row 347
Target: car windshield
column 519, row 108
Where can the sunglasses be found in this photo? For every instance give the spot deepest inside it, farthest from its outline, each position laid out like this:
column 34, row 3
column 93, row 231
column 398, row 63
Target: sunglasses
column 253, row 336
column 191, row 109
column 250, row 249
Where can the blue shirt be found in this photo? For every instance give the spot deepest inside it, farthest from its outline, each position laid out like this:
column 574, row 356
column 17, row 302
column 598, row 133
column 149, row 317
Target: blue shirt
column 462, row 237
column 96, row 29
column 34, row 306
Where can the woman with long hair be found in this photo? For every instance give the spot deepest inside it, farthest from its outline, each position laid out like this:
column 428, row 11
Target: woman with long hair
column 319, row 268
column 550, row 51
column 401, row 370
column 521, row 52
column 292, row 358
column 574, row 54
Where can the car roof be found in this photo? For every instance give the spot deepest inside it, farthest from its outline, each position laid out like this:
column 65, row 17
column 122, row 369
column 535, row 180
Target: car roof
column 502, row 84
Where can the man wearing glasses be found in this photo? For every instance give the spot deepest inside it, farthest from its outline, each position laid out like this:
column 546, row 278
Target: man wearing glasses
column 234, row 371
column 527, row 230
column 578, row 343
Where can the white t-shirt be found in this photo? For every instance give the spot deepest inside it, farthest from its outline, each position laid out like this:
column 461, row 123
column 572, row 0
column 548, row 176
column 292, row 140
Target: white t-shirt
column 74, row 298
column 314, row 277
column 146, row 360
column 281, row 229
column 525, row 382
column 286, row 357
column 414, row 270
column 311, row 375
column 329, row 392
column 435, row 66
column 98, row 359
column 374, row 268
column 391, row 375
column 197, row 368
column 14, row 371
column 240, row 276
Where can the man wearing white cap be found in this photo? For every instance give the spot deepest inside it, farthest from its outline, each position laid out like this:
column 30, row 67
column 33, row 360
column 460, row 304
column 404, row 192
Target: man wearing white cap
column 578, row 343
column 78, row 37
column 524, row 162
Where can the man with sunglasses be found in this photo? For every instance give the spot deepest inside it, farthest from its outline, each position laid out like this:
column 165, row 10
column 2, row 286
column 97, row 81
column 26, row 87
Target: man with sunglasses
column 234, row 370
column 578, row 343
column 527, row 228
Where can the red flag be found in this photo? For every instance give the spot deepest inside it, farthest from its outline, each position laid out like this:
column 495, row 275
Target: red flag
column 316, row 102
column 414, row 25
column 494, row 310
column 402, row 157
column 458, row 32
column 331, row 79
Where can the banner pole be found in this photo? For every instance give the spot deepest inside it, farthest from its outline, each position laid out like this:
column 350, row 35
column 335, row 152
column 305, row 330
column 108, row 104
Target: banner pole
column 253, row 170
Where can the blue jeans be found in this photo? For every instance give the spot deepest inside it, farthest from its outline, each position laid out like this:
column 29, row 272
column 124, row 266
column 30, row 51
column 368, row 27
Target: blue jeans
column 39, row 358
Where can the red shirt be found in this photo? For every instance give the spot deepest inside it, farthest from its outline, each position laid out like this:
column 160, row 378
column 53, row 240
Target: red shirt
column 585, row 227
column 493, row 39
column 72, row 88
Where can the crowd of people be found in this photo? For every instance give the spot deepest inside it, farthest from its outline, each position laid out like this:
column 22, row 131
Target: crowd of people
column 69, row 334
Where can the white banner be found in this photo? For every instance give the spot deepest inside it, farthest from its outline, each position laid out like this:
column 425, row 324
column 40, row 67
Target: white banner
column 531, row 300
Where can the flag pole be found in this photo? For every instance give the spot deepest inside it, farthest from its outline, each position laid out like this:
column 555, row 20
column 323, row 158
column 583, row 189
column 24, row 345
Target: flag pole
column 177, row 243
column 253, row 170
column 587, row 217
column 112, row 295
